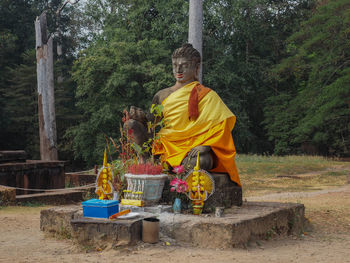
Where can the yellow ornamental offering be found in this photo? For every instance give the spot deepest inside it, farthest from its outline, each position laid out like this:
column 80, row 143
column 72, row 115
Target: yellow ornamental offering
column 201, row 184
column 104, row 187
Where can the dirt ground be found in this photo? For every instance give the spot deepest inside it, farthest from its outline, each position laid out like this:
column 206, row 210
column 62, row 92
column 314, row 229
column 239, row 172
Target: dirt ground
column 328, row 240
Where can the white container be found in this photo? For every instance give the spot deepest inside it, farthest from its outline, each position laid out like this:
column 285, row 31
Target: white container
column 151, row 186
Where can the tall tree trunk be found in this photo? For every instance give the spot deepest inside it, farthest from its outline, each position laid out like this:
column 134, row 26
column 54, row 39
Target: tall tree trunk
column 46, row 98
column 195, row 27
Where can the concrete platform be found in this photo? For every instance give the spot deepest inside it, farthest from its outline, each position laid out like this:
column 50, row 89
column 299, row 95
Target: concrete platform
column 95, row 231
column 238, row 226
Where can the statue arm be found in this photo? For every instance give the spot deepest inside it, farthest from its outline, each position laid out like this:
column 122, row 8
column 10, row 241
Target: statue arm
column 138, row 122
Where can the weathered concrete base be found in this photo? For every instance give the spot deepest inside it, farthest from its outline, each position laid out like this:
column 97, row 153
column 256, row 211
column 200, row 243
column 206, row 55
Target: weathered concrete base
column 238, row 226
column 99, row 231
column 68, row 221
column 57, row 219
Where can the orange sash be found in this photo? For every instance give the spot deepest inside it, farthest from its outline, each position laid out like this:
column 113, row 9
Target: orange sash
column 212, row 127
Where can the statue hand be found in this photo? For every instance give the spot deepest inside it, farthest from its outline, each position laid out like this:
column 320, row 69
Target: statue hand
column 138, row 115
column 198, row 149
column 193, row 153
column 206, row 159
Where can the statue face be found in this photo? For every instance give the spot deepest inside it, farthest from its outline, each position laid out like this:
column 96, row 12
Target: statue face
column 185, row 70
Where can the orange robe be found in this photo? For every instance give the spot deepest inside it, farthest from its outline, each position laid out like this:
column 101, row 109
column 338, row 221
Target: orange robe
column 211, row 128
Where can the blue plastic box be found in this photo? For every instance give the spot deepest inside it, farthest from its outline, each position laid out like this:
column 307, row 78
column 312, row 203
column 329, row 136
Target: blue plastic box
column 100, row 208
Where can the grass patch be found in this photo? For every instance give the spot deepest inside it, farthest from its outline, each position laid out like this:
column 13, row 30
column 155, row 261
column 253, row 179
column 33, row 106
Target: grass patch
column 261, row 174
column 32, row 204
column 13, row 210
column 328, row 213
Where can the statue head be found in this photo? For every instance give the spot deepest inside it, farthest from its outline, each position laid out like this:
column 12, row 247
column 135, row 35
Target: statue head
column 186, row 64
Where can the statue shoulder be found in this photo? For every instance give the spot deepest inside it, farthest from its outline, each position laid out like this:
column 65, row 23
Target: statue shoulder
column 162, row 95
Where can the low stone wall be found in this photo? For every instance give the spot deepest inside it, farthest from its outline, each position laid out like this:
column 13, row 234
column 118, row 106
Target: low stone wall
column 12, row 156
column 64, row 197
column 32, row 174
column 76, row 179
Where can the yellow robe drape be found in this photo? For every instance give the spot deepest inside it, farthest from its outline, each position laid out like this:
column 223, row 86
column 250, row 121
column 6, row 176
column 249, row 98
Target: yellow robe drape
column 212, row 128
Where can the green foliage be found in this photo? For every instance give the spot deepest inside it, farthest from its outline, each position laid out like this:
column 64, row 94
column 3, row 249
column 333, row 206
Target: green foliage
column 127, row 59
column 112, row 75
column 16, row 32
column 242, row 40
column 21, row 107
column 166, row 21
column 153, row 128
column 312, row 99
column 18, row 96
column 130, row 60
column 32, row 204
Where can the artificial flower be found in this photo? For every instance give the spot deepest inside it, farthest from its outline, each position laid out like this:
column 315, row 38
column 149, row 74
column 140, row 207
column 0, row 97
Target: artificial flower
column 179, row 169
column 179, row 186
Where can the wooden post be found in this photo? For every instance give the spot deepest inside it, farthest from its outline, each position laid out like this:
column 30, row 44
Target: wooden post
column 195, row 27
column 46, row 98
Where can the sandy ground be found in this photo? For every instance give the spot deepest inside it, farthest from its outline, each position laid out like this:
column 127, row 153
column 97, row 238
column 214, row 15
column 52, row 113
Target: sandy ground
column 327, row 241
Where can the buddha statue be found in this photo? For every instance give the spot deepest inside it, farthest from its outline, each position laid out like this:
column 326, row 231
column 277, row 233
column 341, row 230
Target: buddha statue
column 197, row 121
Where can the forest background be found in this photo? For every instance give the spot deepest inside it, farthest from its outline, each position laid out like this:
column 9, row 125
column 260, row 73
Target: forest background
column 281, row 66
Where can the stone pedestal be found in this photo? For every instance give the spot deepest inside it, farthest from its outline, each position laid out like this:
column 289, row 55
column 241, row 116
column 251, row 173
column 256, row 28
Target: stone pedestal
column 227, row 193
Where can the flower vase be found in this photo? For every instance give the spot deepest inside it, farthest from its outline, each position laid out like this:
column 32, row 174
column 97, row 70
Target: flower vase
column 177, row 206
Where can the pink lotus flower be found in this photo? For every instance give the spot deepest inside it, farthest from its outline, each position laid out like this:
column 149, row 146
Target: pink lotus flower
column 178, row 169
column 179, row 186
column 175, row 182
column 182, row 187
